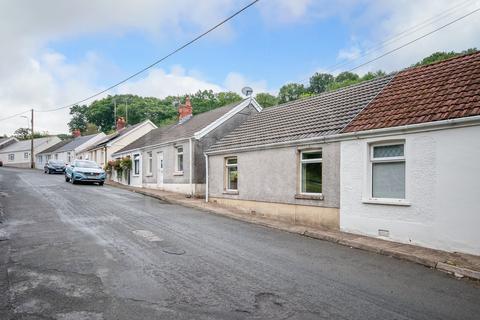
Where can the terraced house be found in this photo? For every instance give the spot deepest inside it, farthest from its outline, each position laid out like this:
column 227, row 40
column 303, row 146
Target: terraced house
column 172, row 157
column 284, row 162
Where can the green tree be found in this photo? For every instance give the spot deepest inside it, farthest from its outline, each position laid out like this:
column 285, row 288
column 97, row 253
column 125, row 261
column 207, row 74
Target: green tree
column 22, row 133
column 441, row 55
column 266, row 100
column 347, row 76
column 320, row 82
column 78, row 119
column 290, row 92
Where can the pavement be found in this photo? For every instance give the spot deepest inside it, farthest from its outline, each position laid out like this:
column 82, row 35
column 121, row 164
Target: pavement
column 455, row 263
column 91, row 252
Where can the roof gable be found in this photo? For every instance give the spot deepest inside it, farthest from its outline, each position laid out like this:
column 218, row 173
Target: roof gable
column 440, row 91
column 317, row 116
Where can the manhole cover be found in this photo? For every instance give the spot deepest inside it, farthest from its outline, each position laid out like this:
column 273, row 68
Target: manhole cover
column 171, row 250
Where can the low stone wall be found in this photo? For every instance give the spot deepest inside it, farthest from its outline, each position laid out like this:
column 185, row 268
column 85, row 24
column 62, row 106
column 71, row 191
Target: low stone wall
column 313, row 216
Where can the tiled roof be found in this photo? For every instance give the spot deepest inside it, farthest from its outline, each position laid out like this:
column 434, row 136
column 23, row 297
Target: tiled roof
column 444, row 90
column 321, row 115
column 55, row 147
column 181, row 130
column 76, row 142
column 102, row 142
column 24, row 145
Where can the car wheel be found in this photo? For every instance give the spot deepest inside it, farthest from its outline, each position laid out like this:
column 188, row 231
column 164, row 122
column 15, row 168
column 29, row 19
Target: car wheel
column 100, row 183
column 49, row 172
column 67, row 179
column 72, row 180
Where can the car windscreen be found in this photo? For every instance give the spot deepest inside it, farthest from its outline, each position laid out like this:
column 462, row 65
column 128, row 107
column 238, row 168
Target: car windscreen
column 86, row 164
column 57, row 162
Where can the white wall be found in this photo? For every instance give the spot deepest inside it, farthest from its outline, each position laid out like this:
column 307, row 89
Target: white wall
column 442, row 188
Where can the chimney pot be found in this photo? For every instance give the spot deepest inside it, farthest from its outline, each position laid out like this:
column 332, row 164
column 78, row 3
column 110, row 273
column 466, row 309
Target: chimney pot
column 76, row 133
column 120, row 123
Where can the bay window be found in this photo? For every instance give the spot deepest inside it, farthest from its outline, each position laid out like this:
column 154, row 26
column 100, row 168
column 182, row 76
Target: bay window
column 388, row 170
column 311, row 172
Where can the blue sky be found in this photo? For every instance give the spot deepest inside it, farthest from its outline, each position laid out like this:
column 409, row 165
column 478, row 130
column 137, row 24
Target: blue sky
column 60, row 52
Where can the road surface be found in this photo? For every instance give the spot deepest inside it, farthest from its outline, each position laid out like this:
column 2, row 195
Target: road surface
column 91, row 252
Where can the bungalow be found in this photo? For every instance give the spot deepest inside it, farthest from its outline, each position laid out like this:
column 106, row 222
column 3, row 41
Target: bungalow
column 410, row 161
column 18, row 154
column 172, row 157
column 67, row 150
column 101, row 152
column 282, row 162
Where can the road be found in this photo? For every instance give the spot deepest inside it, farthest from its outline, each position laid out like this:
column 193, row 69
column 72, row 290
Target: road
column 91, row 252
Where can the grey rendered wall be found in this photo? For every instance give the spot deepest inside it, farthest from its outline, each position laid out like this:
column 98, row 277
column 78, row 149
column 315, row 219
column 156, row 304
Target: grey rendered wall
column 207, row 141
column 272, row 175
column 169, row 175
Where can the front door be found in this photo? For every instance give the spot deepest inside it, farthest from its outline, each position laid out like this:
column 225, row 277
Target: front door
column 160, row 169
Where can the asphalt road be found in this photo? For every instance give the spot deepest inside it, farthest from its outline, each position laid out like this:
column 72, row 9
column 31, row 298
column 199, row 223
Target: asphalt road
column 91, row 252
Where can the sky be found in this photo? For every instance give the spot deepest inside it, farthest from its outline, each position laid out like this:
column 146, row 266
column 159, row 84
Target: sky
column 57, row 52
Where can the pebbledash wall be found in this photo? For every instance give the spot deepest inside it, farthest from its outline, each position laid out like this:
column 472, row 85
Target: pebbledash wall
column 442, row 208
column 268, row 184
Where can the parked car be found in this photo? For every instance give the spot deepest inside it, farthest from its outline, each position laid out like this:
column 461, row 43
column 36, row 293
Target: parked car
column 1, row 163
column 84, row 171
column 54, row 166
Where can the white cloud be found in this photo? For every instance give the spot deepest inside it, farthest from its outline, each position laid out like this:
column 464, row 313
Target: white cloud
column 236, row 81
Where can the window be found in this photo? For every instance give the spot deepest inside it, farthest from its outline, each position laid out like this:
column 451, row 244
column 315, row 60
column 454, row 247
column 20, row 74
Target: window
column 311, row 172
column 231, row 174
column 69, row 157
column 102, row 157
column 388, row 171
column 40, row 159
column 56, row 156
column 179, row 159
column 136, row 164
column 11, row 157
column 25, row 155
column 150, row 162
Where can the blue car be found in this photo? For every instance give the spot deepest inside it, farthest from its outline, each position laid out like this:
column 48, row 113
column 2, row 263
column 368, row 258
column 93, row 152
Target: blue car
column 84, row 171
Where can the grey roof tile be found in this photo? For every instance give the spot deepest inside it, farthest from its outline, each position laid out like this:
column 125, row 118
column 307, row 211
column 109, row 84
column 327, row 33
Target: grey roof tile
column 321, row 115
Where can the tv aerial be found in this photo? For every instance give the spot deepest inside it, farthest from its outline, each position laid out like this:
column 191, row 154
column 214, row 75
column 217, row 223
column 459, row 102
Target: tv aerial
column 247, row 91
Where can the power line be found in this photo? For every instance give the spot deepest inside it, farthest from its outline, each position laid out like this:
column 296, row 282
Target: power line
column 15, row 115
column 159, row 60
column 414, row 40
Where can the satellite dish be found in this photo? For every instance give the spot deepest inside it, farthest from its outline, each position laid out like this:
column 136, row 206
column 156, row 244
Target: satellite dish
column 247, row 91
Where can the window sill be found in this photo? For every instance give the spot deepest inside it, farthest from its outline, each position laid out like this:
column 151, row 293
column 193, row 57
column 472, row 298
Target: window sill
column 135, row 175
column 178, row 173
column 149, row 175
column 232, row 192
column 390, row 202
column 303, row 196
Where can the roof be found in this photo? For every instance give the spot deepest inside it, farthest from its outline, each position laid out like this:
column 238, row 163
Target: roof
column 24, row 145
column 76, row 142
column 55, row 146
column 440, row 91
column 6, row 141
column 320, row 115
column 102, row 142
column 182, row 130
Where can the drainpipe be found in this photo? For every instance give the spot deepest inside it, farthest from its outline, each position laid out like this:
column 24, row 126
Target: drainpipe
column 206, row 177
column 191, row 166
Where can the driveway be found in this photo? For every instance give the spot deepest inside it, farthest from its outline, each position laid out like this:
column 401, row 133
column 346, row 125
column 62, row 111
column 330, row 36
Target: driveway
column 91, row 252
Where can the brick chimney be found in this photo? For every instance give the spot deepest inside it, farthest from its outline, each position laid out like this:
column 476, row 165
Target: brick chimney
column 185, row 110
column 120, row 123
column 76, row 133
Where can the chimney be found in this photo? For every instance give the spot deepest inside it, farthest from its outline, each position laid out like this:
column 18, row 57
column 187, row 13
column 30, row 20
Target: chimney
column 185, row 110
column 120, row 123
column 76, row 133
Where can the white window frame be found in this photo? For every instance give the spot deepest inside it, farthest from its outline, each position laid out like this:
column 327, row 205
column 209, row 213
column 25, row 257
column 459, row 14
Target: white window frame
column 300, row 175
column 227, row 180
column 11, row 157
column 372, row 160
column 136, row 157
column 177, row 163
column 149, row 163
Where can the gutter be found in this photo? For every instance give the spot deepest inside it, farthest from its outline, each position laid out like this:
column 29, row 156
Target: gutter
column 412, row 128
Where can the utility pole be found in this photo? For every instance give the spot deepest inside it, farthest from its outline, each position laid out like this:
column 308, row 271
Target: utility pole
column 126, row 111
column 32, row 157
column 114, row 112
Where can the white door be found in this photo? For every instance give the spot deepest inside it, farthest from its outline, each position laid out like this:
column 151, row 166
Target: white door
column 160, row 169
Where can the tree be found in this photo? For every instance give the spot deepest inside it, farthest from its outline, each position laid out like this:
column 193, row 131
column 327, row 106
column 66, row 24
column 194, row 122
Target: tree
column 320, row 82
column 266, row 100
column 346, row 76
column 290, row 92
column 64, row 136
column 22, row 133
column 441, row 55
column 79, row 118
